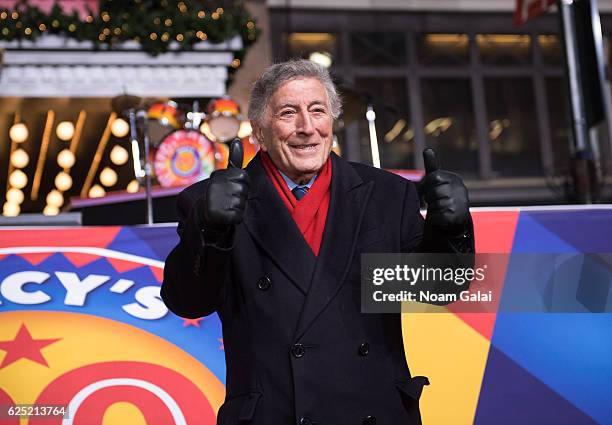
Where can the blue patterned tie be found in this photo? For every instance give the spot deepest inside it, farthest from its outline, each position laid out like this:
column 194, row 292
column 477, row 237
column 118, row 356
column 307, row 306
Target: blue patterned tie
column 299, row 192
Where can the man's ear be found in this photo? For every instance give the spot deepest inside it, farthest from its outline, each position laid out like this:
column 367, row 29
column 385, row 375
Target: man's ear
column 257, row 136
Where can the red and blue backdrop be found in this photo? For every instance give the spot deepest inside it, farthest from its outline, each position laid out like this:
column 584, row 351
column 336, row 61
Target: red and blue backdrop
column 82, row 324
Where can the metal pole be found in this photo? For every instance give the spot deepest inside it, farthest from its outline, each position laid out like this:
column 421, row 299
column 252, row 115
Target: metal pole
column 601, row 67
column 147, row 166
column 573, row 70
column 138, row 171
column 581, row 147
column 147, row 169
column 371, row 117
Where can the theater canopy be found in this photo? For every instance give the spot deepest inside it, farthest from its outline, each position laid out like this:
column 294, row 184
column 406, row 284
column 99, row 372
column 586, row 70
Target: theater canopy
column 54, row 66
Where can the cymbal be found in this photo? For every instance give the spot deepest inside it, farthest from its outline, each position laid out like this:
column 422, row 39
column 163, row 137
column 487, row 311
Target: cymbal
column 147, row 102
column 124, row 102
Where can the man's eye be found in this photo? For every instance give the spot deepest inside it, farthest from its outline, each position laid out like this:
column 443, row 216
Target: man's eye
column 287, row 113
column 318, row 110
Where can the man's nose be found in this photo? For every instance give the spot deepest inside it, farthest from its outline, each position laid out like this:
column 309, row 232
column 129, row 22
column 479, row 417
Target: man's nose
column 304, row 124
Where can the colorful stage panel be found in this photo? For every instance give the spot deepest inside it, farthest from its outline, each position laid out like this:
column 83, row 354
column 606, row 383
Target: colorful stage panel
column 81, row 323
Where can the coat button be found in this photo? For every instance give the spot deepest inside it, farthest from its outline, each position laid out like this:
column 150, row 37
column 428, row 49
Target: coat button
column 369, row 420
column 305, row 421
column 264, row 283
column 364, row 349
column 298, row 351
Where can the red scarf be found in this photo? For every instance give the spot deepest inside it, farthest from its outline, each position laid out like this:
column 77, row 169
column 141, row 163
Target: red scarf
column 311, row 211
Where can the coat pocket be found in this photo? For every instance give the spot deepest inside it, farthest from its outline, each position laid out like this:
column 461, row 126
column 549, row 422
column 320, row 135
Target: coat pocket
column 410, row 391
column 239, row 409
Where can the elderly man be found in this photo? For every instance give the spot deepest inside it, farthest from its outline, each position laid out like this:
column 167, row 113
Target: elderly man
column 275, row 250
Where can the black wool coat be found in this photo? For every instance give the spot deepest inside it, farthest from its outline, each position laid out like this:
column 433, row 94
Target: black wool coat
column 298, row 349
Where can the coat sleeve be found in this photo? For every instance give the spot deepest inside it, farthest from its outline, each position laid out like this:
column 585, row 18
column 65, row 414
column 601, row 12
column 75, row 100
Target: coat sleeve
column 195, row 271
column 412, row 221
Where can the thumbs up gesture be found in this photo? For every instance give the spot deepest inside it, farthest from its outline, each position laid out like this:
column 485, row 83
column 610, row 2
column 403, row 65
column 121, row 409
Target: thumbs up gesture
column 445, row 194
column 227, row 191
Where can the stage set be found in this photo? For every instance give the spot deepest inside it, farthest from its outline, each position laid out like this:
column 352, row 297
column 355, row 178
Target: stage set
column 82, row 324
column 112, row 108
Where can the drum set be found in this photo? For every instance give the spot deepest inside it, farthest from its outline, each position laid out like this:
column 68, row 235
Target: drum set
column 176, row 144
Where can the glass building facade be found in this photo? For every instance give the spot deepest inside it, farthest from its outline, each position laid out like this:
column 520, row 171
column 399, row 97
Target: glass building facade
column 490, row 97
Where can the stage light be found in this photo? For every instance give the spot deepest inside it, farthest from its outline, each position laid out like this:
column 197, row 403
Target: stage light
column 322, row 58
column 96, row 191
column 119, row 155
column 66, row 159
column 19, row 158
column 120, row 128
column 10, row 209
column 108, row 177
column 14, row 196
column 18, row 179
column 51, row 210
column 18, row 132
column 63, row 181
column 133, row 186
column 65, row 130
column 55, row 198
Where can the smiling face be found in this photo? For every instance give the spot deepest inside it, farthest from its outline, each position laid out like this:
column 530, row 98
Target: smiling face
column 297, row 128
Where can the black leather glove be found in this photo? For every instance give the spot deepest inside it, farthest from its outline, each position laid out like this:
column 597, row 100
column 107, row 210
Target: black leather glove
column 446, row 197
column 222, row 207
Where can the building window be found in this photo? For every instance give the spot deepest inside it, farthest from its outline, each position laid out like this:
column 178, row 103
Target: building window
column 504, row 49
column 443, row 49
column 449, row 123
column 551, row 48
column 378, row 48
column 513, row 135
column 560, row 123
column 393, row 127
column 443, row 55
column 321, row 47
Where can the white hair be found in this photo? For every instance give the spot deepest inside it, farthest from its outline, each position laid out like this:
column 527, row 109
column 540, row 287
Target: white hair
column 278, row 74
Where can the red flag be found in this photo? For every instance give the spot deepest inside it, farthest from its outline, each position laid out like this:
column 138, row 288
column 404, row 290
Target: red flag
column 529, row 9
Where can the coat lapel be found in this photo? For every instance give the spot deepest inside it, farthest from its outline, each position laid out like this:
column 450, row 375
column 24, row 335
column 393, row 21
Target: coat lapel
column 349, row 197
column 270, row 224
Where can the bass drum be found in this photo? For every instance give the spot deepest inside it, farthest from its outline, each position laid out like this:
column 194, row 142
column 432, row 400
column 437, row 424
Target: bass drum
column 183, row 158
column 223, row 120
